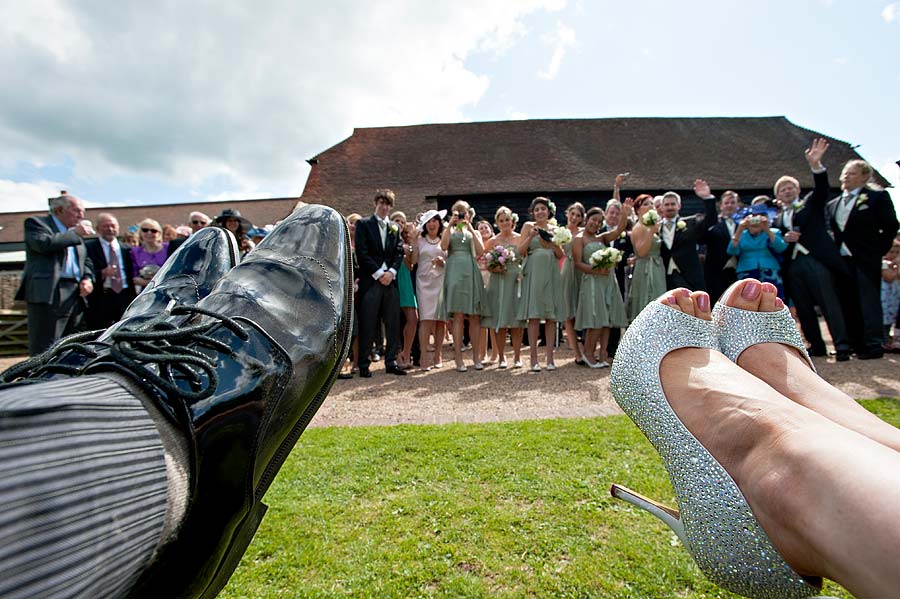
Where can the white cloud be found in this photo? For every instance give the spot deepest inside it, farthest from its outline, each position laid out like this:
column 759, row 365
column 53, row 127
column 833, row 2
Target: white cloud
column 18, row 197
column 891, row 12
column 561, row 40
column 240, row 94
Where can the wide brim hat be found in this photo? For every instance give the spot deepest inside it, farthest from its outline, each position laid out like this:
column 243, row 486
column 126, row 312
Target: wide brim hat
column 758, row 209
column 430, row 214
column 230, row 213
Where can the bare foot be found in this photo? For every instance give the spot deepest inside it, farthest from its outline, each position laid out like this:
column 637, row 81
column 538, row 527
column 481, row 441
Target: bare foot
column 784, row 369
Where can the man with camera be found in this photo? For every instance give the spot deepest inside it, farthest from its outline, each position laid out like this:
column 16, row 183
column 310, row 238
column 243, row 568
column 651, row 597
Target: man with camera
column 379, row 251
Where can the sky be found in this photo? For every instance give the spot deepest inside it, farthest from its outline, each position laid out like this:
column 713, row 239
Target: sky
column 129, row 103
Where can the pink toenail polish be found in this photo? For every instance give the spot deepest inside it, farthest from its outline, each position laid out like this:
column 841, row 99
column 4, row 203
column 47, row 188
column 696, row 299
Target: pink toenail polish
column 703, row 302
column 778, row 303
column 769, row 288
column 671, row 300
column 683, row 292
column 750, row 291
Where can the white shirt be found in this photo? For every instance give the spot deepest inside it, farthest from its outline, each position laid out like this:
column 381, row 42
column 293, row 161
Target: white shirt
column 668, row 232
column 383, row 224
column 842, row 214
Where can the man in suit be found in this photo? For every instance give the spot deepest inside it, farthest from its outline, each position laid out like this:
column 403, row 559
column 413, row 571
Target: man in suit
column 680, row 237
column 58, row 273
column 864, row 223
column 718, row 268
column 379, row 251
column 812, row 267
column 112, row 265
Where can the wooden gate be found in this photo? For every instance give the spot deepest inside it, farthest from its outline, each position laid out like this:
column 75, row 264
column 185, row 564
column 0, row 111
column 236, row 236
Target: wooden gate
column 13, row 333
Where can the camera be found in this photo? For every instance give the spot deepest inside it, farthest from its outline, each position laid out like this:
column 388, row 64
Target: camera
column 461, row 215
column 754, row 220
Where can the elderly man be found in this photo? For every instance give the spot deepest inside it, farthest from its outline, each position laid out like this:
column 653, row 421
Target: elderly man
column 680, row 236
column 198, row 220
column 812, row 265
column 113, row 267
column 864, row 223
column 58, row 272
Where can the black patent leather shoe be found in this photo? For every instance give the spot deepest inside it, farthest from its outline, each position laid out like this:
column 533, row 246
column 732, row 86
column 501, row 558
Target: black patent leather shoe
column 394, row 369
column 365, row 373
column 186, row 277
column 241, row 377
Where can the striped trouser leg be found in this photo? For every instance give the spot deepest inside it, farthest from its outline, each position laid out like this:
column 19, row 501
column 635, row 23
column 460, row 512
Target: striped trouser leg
column 82, row 489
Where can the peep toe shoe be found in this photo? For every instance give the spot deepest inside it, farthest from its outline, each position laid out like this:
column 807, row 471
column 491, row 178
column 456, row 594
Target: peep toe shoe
column 713, row 519
column 739, row 329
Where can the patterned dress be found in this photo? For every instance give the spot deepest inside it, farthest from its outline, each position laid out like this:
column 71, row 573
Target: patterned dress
column 463, row 287
column 599, row 300
column 541, row 296
column 502, row 297
column 648, row 281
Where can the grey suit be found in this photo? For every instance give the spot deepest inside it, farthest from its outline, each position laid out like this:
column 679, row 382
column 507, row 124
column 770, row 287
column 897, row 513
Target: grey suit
column 54, row 305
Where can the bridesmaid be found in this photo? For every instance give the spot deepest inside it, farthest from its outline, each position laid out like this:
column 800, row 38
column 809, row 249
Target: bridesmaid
column 502, row 288
column 571, row 279
column 487, row 232
column 463, row 287
column 600, row 305
column 648, row 280
column 541, row 286
column 408, row 304
column 427, row 253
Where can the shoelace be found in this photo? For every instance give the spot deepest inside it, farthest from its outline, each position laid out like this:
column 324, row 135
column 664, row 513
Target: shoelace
column 171, row 349
column 47, row 362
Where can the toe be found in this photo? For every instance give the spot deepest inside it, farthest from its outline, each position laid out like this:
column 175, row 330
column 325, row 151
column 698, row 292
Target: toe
column 701, row 303
column 685, row 304
column 745, row 295
column 669, row 299
column 768, row 295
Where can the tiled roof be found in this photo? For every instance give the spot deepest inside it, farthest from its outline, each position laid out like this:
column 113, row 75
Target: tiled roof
column 259, row 212
column 427, row 161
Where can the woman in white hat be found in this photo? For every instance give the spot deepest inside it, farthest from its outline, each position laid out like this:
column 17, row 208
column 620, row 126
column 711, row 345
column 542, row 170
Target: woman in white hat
column 427, row 253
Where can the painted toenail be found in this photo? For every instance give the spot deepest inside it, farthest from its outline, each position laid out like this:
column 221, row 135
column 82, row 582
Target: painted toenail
column 750, row 291
column 778, row 303
column 683, row 292
column 769, row 288
column 703, row 302
column 671, row 300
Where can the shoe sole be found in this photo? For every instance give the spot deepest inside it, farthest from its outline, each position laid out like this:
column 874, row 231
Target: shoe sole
column 246, row 530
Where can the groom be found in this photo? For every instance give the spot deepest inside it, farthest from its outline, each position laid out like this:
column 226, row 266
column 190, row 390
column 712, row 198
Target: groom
column 379, row 251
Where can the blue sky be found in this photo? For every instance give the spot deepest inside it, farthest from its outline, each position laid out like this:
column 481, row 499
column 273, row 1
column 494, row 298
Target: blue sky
column 130, row 103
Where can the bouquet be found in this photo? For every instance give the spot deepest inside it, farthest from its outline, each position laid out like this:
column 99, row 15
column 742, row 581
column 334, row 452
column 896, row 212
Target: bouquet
column 650, row 218
column 561, row 236
column 605, row 258
column 148, row 271
column 499, row 258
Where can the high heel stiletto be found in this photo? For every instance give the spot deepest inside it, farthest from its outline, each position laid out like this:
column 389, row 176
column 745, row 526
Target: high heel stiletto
column 713, row 519
column 739, row 329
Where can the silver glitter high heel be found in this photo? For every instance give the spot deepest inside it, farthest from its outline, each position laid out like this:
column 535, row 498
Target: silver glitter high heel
column 713, row 521
column 739, row 329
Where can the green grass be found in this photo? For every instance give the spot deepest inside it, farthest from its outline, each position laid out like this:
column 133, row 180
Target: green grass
column 492, row 510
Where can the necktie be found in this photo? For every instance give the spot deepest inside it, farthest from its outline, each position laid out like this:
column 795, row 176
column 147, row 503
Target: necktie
column 114, row 261
column 670, row 224
column 382, row 228
column 848, row 197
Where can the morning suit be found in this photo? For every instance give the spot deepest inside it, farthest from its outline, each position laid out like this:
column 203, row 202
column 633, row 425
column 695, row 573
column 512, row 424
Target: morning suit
column 624, row 245
column 862, row 240
column 812, row 268
column 681, row 260
column 55, row 306
column 718, row 268
column 104, row 305
column 377, row 302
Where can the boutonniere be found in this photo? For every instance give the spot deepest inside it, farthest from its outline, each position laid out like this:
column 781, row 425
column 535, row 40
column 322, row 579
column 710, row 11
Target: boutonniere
column 862, row 199
column 680, row 225
column 393, row 228
column 798, row 205
column 622, row 236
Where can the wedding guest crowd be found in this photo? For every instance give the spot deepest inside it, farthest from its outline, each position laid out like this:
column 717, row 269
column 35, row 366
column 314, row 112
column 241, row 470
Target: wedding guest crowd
column 582, row 282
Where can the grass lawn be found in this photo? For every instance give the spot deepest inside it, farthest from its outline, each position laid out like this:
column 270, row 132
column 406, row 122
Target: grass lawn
column 516, row 509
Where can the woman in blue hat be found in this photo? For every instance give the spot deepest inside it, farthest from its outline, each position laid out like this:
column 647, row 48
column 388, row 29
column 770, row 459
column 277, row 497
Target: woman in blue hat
column 757, row 245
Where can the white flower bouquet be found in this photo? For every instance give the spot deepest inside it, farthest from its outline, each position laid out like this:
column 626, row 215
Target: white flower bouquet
column 650, row 218
column 561, row 236
column 605, row 258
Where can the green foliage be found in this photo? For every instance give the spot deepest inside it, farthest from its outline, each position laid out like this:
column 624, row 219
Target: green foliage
column 516, row 509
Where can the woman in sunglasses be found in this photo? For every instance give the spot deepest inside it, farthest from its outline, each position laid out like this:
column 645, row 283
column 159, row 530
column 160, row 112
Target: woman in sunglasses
column 149, row 255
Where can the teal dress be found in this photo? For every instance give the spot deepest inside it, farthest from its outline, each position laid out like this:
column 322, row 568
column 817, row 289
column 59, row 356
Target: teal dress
column 463, row 287
column 541, row 295
column 648, row 280
column 502, row 297
column 571, row 280
column 599, row 300
column 405, row 286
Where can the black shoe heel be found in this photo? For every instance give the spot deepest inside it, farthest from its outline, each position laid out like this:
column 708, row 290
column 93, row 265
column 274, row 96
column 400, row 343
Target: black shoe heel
column 236, row 551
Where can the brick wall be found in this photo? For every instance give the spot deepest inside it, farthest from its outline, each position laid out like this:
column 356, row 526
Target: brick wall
column 9, row 284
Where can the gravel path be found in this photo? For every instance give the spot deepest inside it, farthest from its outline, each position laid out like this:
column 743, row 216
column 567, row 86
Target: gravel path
column 443, row 396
